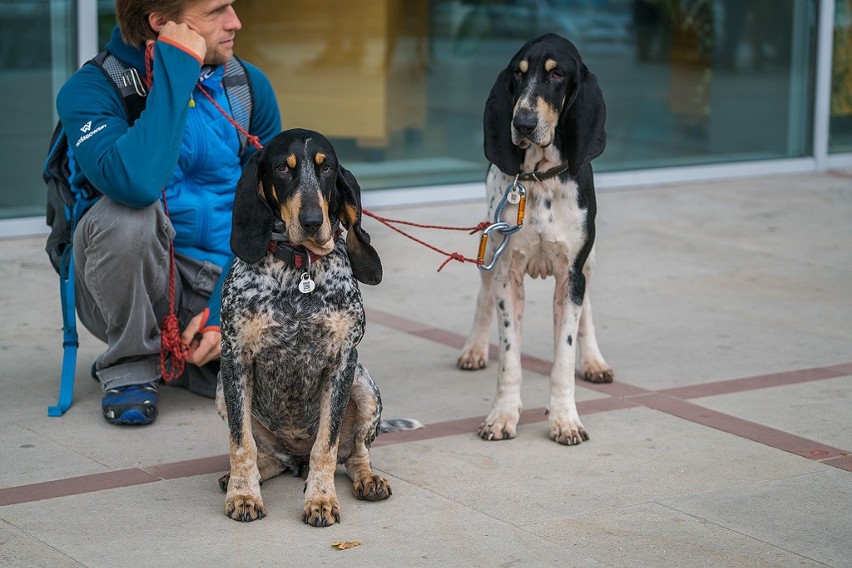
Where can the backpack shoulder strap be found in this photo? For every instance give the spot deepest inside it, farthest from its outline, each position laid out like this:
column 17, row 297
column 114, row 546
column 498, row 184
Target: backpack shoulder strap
column 238, row 88
column 126, row 81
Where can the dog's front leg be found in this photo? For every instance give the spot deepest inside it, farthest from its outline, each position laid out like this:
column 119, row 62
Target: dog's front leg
column 474, row 354
column 360, row 425
column 592, row 364
column 502, row 422
column 243, row 501
column 565, row 425
column 322, row 508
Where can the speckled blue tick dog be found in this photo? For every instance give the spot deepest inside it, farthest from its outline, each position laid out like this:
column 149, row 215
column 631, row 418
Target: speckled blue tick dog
column 291, row 388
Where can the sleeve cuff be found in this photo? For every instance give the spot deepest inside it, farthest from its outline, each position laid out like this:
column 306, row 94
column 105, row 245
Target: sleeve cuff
column 182, row 48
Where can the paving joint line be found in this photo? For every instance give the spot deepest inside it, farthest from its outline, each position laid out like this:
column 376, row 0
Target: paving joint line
column 619, row 396
column 674, row 401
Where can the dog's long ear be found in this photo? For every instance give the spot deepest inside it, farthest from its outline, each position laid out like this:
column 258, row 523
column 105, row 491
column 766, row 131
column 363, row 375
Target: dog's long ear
column 365, row 261
column 581, row 126
column 251, row 221
column 497, row 125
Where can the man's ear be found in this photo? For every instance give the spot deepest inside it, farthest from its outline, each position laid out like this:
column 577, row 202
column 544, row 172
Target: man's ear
column 156, row 21
column 252, row 219
column 365, row 261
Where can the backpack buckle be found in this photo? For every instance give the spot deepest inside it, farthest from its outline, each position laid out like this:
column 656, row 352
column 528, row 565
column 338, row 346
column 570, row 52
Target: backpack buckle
column 131, row 78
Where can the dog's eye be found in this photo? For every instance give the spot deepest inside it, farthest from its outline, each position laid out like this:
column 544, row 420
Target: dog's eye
column 282, row 168
column 518, row 74
column 325, row 167
column 556, row 75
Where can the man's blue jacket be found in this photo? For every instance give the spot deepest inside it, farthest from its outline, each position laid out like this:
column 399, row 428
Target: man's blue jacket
column 181, row 142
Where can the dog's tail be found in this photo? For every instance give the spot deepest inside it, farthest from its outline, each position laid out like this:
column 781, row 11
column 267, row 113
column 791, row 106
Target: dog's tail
column 399, row 424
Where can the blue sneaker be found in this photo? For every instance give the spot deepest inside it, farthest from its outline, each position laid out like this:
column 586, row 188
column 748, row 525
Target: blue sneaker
column 133, row 404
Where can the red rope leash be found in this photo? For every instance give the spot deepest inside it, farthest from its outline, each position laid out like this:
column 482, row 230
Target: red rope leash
column 149, row 65
column 471, row 230
column 253, row 140
column 450, row 255
column 173, row 351
column 170, row 340
column 389, row 222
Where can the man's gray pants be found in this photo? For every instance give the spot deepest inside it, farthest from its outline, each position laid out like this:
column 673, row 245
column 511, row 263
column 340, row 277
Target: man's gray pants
column 121, row 258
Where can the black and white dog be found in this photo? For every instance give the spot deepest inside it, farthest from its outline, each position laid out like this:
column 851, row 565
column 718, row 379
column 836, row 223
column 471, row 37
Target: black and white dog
column 544, row 123
column 291, row 387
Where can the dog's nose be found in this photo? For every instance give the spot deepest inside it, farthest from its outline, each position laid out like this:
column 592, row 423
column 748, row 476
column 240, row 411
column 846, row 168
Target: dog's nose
column 311, row 221
column 524, row 121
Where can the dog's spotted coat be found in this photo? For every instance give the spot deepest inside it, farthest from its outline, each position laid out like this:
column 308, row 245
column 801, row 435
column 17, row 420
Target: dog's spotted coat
column 291, row 388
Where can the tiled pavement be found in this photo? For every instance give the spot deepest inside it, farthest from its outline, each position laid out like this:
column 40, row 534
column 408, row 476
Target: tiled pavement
column 726, row 440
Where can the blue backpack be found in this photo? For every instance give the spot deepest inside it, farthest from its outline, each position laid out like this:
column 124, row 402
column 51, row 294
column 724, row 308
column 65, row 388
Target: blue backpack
column 67, row 202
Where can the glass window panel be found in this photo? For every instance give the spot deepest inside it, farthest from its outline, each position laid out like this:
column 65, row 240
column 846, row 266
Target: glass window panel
column 367, row 75
column 840, row 125
column 37, row 53
column 106, row 21
column 400, row 86
column 699, row 81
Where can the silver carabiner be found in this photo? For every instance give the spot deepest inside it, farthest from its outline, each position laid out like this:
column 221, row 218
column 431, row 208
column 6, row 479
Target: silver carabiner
column 514, row 189
column 502, row 227
column 515, row 194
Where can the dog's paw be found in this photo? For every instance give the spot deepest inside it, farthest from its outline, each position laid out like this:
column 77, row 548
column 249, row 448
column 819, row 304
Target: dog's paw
column 500, row 426
column 321, row 512
column 597, row 372
column 568, row 432
column 223, row 481
column 244, row 507
column 372, row 488
column 473, row 358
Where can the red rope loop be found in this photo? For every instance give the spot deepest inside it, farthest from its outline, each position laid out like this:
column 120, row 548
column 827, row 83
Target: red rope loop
column 171, row 343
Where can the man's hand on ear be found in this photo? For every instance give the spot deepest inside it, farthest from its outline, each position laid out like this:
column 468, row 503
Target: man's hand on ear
column 181, row 34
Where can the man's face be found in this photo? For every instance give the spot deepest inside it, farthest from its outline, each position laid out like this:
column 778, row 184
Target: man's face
column 217, row 22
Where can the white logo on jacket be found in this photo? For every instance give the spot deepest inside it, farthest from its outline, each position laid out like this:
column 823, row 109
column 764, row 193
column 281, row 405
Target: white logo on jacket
column 87, row 128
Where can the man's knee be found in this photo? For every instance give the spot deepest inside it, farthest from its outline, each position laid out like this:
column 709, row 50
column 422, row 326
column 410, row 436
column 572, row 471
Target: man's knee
column 123, row 228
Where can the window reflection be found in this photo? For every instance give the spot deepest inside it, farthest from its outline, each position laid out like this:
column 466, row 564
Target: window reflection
column 400, row 85
column 840, row 137
column 37, row 53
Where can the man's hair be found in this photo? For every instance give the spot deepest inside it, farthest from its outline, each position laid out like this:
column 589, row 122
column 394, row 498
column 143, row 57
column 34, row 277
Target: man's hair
column 132, row 17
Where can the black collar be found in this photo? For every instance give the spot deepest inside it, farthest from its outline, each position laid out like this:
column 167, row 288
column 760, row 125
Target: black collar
column 294, row 255
column 547, row 174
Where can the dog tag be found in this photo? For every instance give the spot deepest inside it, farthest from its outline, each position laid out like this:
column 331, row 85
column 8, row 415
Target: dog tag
column 514, row 196
column 306, row 286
